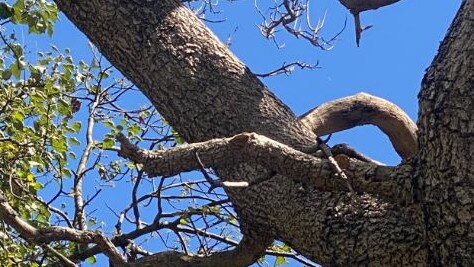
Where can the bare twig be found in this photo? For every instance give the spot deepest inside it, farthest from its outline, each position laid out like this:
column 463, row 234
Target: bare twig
column 288, row 69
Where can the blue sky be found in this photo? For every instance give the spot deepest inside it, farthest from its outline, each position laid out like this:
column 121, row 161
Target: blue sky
column 389, row 63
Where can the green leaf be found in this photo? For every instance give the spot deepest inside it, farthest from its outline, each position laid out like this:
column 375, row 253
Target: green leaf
column 109, row 124
column 18, row 9
column 285, row 248
column 63, row 107
column 76, row 126
column 74, row 141
column 91, row 260
column 177, row 138
column 108, row 143
column 280, row 261
column 67, row 173
column 184, row 220
column 18, row 115
column 59, row 144
column 134, row 129
column 92, row 221
column 103, row 75
column 15, row 69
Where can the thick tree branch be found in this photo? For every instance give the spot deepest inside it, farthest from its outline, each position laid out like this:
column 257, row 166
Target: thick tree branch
column 246, row 253
column 360, row 109
column 205, row 92
column 50, row 234
column 277, row 157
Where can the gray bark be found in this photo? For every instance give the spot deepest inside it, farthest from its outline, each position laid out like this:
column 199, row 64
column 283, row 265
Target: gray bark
column 445, row 164
column 206, row 92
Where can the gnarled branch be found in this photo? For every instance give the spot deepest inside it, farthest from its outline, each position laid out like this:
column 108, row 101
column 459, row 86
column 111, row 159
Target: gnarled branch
column 361, row 109
column 277, row 157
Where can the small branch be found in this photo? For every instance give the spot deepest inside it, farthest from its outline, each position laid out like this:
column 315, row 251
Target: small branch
column 64, row 260
column 361, row 109
column 288, row 69
column 217, row 183
column 335, row 166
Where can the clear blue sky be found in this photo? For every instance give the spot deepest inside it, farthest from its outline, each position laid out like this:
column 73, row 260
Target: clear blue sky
column 389, row 63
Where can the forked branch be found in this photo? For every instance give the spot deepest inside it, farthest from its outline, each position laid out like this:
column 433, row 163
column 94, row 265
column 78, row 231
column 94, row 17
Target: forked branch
column 361, row 109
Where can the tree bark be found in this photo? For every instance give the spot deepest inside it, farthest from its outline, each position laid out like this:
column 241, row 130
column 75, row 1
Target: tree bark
column 206, row 92
column 445, row 174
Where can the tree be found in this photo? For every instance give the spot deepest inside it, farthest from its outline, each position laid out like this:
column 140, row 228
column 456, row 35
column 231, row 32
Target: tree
column 356, row 211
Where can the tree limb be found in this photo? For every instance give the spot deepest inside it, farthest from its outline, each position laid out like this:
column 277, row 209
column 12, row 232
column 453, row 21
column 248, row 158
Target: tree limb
column 361, row 109
column 246, row 253
column 56, row 233
column 364, row 5
column 357, row 6
column 277, row 157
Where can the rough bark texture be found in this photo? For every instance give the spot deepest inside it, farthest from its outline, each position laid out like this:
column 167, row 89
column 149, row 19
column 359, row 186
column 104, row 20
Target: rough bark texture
column 387, row 182
column 446, row 127
column 205, row 92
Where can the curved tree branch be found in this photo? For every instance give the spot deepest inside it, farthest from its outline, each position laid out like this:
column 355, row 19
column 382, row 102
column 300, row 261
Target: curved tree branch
column 360, row 109
column 282, row 159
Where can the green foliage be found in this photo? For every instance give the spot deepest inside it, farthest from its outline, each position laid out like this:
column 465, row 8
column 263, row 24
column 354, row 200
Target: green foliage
column 38, row 15
column 32, row 128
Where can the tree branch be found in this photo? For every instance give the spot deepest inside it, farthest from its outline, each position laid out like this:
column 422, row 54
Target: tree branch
column 246, row 253
column 364, row 5
column 49, row 234
column 277, row 157
column 357, row 6
column 361, row 109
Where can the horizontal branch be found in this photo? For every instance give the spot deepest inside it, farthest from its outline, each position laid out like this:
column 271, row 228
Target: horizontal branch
column 56, row 233
column 361, row 109
column 244, row 254
column 250, row 147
